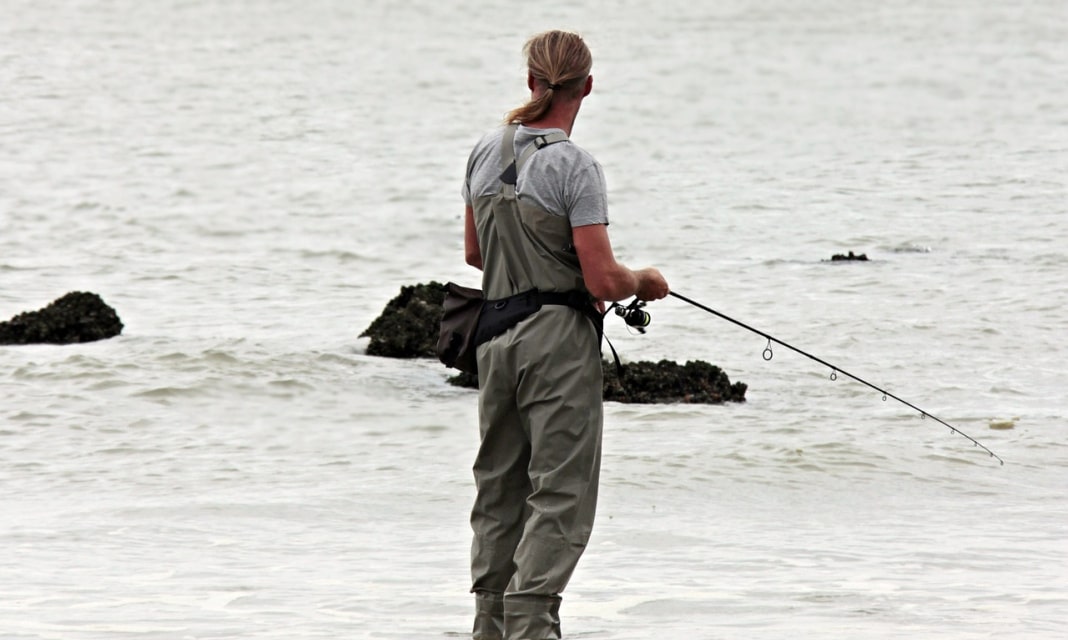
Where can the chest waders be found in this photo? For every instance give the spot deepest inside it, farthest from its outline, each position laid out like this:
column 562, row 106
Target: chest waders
column 540, row 412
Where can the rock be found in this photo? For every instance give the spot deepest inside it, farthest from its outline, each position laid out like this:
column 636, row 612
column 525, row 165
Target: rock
column 466, row 380
column 408, row 326
column 851, row 256
column 76, row 317
column 643, row 382
column 695, row 382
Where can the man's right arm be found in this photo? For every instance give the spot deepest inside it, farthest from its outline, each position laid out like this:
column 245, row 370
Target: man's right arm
column 606, row 278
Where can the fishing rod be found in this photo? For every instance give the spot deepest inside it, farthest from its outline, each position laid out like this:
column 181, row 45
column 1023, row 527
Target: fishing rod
column 635, row 316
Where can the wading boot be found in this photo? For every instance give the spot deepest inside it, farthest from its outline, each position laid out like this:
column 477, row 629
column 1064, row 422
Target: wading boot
column 489, row 616
column 532, row 618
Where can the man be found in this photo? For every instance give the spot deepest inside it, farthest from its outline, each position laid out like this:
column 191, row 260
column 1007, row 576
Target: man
column 536, row 225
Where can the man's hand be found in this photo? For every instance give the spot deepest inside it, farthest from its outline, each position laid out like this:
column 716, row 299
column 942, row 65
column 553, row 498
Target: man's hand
column 651, row 284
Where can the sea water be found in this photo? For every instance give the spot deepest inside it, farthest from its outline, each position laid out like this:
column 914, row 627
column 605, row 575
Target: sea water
column 249, row 182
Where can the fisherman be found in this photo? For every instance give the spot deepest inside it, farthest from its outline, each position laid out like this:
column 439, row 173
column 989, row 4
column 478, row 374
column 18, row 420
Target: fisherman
column 536, row 225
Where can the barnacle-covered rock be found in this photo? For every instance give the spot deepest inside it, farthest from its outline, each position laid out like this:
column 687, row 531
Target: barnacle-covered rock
column 695, row 382
column 408, row 326
column 78, row 316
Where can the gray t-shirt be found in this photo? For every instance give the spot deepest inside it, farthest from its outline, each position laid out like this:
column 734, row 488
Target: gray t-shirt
column 563, row 178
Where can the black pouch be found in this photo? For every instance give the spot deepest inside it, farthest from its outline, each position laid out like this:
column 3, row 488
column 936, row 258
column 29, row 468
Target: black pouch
column 459, row 323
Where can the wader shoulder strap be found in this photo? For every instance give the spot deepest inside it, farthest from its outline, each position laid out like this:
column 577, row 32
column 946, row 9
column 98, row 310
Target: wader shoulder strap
column 508, row 147
column 510, row 165
column 540, row 143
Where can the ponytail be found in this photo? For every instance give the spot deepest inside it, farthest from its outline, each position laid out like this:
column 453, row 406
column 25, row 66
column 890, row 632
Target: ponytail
column 561, row 61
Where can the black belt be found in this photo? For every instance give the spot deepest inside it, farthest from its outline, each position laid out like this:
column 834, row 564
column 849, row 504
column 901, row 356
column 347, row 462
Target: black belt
column 501, row 315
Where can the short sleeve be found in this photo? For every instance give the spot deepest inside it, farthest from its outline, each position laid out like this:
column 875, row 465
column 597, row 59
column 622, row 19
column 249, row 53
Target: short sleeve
column 589, row 197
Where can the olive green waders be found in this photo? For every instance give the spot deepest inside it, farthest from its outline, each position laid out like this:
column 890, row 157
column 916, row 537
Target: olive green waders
column 540, row 420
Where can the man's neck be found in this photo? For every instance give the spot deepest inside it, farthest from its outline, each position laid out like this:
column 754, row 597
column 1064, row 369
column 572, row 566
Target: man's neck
column 559, row 117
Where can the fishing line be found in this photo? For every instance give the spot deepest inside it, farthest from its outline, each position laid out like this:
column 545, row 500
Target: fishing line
column 768, row 354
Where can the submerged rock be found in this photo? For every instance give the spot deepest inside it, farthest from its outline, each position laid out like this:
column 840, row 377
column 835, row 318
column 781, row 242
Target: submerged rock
column 465, row 380
column 644, row 382
column 408, row 326
column 75, row 317
column 838, row 257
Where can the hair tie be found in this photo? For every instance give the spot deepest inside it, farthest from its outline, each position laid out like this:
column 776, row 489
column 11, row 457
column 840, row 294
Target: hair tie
column 555, row 86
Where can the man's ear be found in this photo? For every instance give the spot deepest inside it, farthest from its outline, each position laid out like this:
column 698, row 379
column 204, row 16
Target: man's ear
column 589, row 86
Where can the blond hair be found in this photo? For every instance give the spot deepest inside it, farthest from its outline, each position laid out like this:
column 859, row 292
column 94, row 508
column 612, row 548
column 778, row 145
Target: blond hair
column 560, row 60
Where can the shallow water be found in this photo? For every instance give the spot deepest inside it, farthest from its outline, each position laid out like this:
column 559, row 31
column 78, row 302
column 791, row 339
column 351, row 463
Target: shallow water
column 249, row 183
